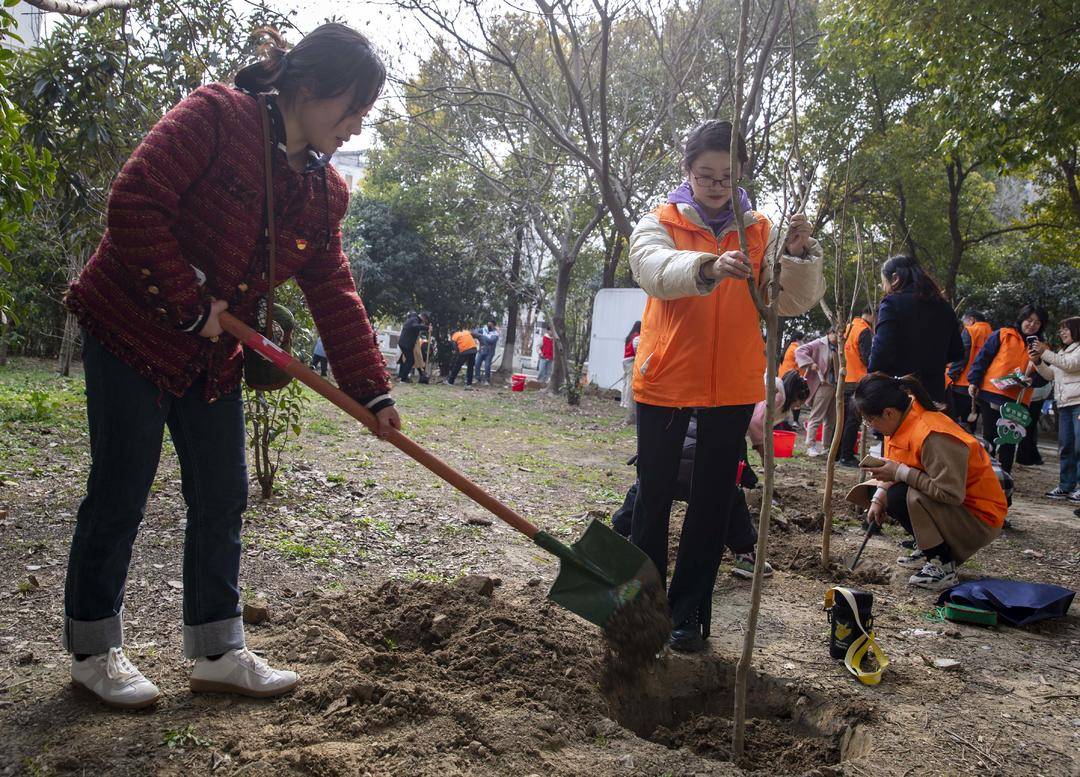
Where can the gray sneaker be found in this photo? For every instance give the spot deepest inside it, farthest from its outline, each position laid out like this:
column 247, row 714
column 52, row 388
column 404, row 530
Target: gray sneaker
column 935, row 576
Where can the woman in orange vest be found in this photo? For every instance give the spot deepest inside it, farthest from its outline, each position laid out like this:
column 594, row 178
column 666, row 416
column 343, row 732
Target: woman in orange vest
column 1005, row 352
column 938, row 481
column 973, row 337
column 701, row 350
column 857, row 345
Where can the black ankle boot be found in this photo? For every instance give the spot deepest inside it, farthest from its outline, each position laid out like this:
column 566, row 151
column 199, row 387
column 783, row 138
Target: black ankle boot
column 686, row 637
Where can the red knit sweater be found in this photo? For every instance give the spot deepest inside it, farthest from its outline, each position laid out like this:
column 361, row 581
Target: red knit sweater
column 192, row 195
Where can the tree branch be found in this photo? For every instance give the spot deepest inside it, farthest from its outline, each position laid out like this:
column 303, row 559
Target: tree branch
column 71, row 8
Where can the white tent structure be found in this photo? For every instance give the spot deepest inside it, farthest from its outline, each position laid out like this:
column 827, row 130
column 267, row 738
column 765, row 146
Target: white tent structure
column 614, row 312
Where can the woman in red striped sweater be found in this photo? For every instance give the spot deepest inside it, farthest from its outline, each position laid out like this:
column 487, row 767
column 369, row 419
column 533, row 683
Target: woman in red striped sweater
column 186, row 238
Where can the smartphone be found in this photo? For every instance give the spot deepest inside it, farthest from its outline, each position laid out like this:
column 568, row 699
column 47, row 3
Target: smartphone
column 869, row 462
column 1031, row 340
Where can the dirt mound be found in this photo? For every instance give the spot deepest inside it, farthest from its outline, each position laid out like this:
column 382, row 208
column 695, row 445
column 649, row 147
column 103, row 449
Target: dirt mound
column 426, row 679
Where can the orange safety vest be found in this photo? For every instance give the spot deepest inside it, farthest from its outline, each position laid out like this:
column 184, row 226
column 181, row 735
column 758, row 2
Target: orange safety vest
column 856, row 370
column 703, row 351
column 983, row 496
column 463, row 340
column 978, row 333
column 789, row 363
column 1012, row 355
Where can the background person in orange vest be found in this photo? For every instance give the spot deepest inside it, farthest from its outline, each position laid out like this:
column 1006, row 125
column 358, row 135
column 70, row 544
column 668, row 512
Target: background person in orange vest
column 939, row 483
column 466, row 347
column 1004, row 352
column 973, row 337
column 857, row 343
column 701, row 351
column 916, row 331
column 789, row 364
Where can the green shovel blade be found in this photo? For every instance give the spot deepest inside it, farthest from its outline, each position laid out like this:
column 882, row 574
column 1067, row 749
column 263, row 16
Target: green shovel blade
column 599, row 573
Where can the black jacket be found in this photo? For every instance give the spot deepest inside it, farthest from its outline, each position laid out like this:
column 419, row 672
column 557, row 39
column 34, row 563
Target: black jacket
column 410, row 330
column 916, row 335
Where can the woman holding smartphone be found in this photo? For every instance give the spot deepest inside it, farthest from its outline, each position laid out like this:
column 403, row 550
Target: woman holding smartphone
column 1004, row 353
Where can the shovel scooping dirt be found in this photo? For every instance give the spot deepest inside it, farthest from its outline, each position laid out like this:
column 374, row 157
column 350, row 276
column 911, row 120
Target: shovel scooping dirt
column 602, row 577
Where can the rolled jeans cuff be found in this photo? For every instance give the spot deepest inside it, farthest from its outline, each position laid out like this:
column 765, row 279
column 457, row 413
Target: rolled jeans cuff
column 211, row 639
column 92, row 638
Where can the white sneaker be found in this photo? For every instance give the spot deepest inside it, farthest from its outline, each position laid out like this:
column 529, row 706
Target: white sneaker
column 242, row 672
column 114, row 680
column 814, row 451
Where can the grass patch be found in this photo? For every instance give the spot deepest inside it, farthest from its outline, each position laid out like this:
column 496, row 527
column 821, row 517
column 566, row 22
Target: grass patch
column 184, row 738
column 319, row 550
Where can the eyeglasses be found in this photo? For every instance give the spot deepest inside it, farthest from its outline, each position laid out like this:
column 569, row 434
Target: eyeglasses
column 708, row 182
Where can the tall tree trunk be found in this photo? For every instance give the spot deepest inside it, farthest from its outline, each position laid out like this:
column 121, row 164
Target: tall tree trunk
column 1068, row 171
column 558, row 322
column 512, row 304
column 954, row 170
column 613, row 249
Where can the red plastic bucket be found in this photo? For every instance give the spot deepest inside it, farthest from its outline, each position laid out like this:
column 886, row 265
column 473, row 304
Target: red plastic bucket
column 517, row 382
column 783, row 443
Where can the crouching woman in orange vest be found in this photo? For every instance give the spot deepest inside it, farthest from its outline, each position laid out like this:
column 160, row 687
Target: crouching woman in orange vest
column 701, row 349
column 939, row 482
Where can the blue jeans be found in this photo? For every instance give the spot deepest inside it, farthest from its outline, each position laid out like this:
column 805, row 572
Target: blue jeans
column 544, row 371
column 127, row 416
column 483, row 365
column 1069, row 446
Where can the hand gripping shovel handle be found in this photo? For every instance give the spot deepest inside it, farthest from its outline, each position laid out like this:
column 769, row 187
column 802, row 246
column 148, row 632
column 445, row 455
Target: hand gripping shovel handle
column 296, row 369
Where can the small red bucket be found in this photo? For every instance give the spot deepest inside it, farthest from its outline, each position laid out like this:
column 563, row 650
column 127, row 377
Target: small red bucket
column 783, row 443
column 517, row 382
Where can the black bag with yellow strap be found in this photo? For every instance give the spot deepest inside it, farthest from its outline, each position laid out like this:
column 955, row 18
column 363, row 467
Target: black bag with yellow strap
column 260, row 374
column 851, row 634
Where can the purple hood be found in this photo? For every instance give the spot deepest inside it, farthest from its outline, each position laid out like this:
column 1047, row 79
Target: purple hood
column 684, row 195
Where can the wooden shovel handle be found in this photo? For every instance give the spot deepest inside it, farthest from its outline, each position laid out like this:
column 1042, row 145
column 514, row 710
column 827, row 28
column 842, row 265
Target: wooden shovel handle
column 296, row 369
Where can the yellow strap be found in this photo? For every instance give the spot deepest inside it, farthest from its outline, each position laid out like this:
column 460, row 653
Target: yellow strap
column 857, row 652
column 865, row 642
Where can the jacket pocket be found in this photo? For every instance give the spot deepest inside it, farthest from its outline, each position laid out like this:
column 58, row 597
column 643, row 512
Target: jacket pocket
column 652, row 365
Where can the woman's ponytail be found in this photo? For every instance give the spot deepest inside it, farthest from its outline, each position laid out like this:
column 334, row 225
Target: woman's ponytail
column 914, row 387
column 268, row 73
column 877, row 391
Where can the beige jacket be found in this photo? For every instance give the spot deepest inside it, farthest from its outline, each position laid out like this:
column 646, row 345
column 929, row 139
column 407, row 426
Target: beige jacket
column 1063, row 367
column 666, row 273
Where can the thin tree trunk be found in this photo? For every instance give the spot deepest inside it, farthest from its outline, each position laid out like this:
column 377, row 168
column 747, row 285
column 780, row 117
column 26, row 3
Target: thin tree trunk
column 512, row 307
column 76, row 261
column 830, row 463
column 4, row 328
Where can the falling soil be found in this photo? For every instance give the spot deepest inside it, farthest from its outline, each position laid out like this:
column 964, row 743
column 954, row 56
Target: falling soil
column 636, row 634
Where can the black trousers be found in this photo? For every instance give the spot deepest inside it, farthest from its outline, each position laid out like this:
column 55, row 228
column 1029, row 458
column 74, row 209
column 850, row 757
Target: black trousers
column 1027, row 452
column 741, row 533
column 407, row 361
column 852, row 424
column 896, row 506
column 661, row 431
column 319, row 363
column 468, row 358
column 960, row 407
column 1006, row 454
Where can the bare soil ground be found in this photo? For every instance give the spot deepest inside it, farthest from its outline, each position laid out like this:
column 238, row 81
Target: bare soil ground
column 408, row 669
